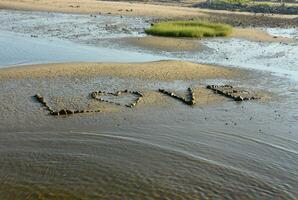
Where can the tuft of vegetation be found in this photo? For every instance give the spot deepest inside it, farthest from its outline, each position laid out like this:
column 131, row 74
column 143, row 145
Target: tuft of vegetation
column 194, row 29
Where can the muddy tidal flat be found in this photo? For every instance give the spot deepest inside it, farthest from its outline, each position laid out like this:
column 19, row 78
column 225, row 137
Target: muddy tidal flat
column 189, row 142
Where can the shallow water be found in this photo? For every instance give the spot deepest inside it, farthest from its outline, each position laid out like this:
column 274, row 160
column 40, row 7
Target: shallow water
column 229, row 150
column 18, row 49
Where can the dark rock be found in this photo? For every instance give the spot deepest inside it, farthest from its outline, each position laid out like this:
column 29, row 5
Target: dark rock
column 54, row 113
column 93, row 94
column 69, row 112
column 239, row 98
column 39, row 97
column 63, row 112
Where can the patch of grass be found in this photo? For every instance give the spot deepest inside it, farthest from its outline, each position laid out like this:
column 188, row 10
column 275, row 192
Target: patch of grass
column 194, row 29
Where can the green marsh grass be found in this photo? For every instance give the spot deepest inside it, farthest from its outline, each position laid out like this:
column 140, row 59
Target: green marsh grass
column 194, row 29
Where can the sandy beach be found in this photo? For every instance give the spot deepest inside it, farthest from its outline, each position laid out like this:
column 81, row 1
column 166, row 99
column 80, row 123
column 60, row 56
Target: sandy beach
column 189, row 142
column 144, row 77
column 162, row 70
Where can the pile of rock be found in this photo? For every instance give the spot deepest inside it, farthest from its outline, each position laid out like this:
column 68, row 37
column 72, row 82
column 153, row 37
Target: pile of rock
column 233, row 93
column 190, row 101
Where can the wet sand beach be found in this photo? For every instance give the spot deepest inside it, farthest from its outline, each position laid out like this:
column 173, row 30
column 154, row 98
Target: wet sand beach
column 161, row 148
column 162, row 70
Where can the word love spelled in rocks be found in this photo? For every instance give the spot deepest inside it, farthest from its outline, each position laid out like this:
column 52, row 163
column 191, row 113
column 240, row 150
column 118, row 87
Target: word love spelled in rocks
column 226, row 90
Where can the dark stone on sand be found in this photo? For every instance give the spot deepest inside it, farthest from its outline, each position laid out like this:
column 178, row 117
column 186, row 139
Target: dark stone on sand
column 238, row 98
column 94, row 94
column 69, row 112
column 39, row 97
column 63, row 112
column 54, row 113
column 49, row 109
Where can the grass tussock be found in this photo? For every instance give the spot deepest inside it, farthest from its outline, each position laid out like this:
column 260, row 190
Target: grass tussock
column 194, row 29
